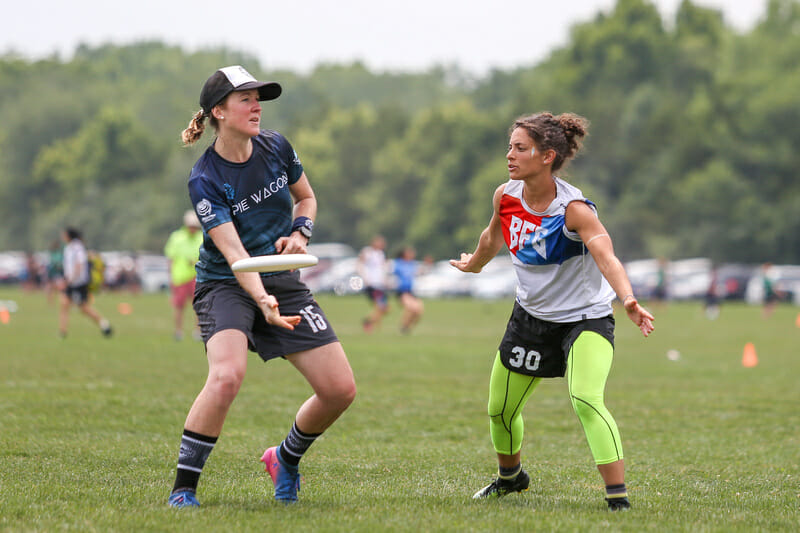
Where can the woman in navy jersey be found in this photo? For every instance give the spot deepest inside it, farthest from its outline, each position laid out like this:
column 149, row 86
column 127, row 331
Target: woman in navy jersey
column 562, row 320
column 253, row 198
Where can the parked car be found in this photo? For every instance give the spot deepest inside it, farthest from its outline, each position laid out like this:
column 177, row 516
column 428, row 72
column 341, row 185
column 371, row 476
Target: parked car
column 121, row 270
column 153, row 270
column 732, row 279
column 643, row 274
column 341, row 277
column 685, row 278
column 442, row 281
column 688, row 279
column 496, row 281
column 785, row 281
column 12, row 267
column 329, row 254
column 494, row 285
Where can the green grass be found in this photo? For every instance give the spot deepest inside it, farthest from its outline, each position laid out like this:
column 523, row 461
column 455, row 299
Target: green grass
column 89, row 427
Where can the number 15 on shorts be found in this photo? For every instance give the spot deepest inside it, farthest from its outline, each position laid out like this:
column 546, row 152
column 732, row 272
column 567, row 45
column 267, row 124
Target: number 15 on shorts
column 314, row 319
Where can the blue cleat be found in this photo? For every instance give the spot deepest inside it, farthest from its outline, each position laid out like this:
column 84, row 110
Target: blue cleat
column 183, row 498
column 285, row 477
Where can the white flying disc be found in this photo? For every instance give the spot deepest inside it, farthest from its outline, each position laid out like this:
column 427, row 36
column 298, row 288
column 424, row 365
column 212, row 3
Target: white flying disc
column 273, row 263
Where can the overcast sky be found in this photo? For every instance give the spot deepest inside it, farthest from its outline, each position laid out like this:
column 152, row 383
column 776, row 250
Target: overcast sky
column 298, row 34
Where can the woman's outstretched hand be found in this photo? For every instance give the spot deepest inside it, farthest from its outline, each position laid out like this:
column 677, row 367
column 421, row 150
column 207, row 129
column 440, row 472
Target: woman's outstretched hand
column 639, row 316
column 461, row 264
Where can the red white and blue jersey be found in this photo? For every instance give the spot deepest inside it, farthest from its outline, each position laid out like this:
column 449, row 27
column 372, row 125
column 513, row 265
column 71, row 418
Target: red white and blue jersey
column 558, row 280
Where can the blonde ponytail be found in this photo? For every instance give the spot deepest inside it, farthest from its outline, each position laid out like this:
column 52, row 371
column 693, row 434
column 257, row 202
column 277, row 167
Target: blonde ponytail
column 195, row 129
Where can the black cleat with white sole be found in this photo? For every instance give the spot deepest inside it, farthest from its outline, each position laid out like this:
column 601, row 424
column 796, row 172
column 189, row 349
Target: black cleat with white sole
column 500, row 487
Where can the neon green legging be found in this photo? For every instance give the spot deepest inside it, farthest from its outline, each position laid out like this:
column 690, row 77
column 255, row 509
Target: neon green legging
column 588, row 365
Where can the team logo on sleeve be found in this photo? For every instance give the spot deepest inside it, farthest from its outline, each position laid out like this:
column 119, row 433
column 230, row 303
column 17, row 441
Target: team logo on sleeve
column 203, row 208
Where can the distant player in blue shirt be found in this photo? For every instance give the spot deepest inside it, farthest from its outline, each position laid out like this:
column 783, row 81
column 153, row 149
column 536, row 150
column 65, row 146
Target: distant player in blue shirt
column 405, row 268
column 253, row 198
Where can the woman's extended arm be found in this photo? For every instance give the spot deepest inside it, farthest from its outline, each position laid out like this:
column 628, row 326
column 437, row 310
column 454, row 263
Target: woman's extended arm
column 581, row 219
column 489, row 244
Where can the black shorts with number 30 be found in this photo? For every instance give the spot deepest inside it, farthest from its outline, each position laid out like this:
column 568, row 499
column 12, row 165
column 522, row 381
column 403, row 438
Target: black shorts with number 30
column 538, row 348
column 223, row 304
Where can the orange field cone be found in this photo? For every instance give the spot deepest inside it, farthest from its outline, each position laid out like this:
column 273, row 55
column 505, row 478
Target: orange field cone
column 797, row 322
column 5, row 316
column 749, row 357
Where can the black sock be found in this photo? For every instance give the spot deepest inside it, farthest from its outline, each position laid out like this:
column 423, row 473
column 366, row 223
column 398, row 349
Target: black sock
column 616, row 491
column 296, row 444
column 195, row 449
column 510, row 473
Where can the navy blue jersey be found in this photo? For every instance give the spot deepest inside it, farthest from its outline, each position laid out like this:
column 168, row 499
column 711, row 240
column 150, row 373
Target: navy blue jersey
column 254, row 195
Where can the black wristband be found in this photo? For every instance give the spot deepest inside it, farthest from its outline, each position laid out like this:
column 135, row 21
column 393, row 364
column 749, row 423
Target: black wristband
column 304, row 225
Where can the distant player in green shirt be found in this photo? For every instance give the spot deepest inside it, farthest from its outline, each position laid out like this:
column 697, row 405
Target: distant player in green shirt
column 183, row 250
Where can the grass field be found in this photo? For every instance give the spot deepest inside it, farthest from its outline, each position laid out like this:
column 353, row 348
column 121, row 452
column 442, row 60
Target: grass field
column 90, row 427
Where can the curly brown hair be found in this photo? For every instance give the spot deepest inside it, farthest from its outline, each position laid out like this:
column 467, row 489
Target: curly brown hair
column 562, row 133
column 196, row 127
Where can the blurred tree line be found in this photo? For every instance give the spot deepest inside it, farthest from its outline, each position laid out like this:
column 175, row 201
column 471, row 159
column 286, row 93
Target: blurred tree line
column 693, row 145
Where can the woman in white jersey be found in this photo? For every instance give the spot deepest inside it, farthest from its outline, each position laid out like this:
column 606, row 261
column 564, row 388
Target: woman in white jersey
column 562, row 319
column 372, row 269
column 76, row 284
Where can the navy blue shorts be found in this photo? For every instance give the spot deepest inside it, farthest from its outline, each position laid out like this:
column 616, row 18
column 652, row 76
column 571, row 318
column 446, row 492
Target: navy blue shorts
column 223, row 304
column 535, row 347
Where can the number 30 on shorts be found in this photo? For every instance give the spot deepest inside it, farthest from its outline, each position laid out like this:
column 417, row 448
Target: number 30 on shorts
column 522, row 357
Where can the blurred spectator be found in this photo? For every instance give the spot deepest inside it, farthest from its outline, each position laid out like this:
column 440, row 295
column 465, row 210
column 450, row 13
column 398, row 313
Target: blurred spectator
column 55, row 269
column 712, row 298
column 771, row 294
column 32, row 276
column 660, row 290
column 183, row 251
column 129, row 276
column 97, row 269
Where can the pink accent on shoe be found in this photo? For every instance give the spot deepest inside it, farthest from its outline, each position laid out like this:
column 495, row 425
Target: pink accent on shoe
column 271, row 465
column 285, row 479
